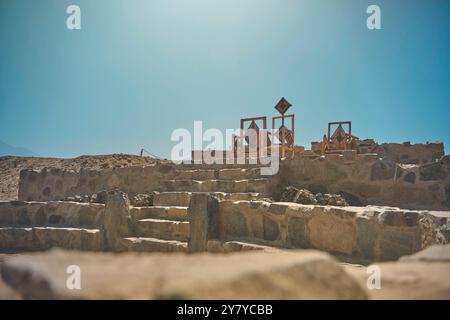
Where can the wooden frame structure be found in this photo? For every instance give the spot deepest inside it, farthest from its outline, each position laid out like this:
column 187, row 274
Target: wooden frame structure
column 340, row 140
column 285, row 133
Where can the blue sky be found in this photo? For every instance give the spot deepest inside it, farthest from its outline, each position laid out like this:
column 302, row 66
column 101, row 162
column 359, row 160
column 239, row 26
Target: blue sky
column 139, row 69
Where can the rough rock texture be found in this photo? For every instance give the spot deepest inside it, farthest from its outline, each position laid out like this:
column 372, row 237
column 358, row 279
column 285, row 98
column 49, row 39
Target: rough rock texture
column 424, row 275
column 53, row 213
column 372, row 233
column 42, row 238
column 117, row 222
column 250, row 275
column 303, row 196
column 99, row 197
column 202, row 221
column 142, row 200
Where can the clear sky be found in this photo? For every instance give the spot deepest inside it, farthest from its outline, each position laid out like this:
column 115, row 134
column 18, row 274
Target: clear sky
column 138, row 69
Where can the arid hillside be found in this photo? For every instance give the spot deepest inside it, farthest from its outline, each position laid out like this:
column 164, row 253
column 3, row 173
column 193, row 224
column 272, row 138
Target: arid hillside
column 10, row 167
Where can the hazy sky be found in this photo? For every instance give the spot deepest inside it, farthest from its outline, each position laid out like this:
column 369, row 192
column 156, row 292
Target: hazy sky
column 137, row 70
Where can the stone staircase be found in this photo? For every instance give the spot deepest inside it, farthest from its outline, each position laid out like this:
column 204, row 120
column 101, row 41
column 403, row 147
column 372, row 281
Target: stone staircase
column 164, row 226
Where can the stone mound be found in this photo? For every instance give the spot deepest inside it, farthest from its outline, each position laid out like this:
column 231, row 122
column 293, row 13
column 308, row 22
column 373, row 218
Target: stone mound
column 303, row 196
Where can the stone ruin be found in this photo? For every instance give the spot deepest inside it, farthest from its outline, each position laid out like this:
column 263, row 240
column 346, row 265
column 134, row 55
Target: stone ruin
column 377, row 206
column 362, row 205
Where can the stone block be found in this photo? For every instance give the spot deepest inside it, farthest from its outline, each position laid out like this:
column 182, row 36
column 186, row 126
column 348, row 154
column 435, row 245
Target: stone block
column 203, row 220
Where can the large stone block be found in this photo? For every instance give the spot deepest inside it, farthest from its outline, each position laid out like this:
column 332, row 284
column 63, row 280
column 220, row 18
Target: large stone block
column 367, row 234
column 203, row 219
column 117, row 221
column 394, row 244
column 333, row 231
column 297, row 232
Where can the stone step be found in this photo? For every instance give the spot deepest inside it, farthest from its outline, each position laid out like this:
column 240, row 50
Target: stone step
column 153, row 245
column 197, row 174
column 178, row 198
column 228, row 186
column 239, row 196
column 182, row 198
column 163, row 229
column 234, row 164
column 160, row 212
column 238, row 174
column 218, row 246
column 14, row 239
column 222, row 174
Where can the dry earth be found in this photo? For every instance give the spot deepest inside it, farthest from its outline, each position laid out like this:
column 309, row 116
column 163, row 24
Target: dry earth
column 10, row 167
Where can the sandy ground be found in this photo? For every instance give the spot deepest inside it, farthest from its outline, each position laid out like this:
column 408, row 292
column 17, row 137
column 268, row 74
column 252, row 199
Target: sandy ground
column 10, row 167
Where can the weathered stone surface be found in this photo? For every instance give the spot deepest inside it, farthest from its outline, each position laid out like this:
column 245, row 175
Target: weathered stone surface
column 249, row 275
column 447, row 195
column 117, row 221
column 433, row 171
column 384, row 169
column 367, row 233
column 332, row 231
column 351, row 199
column 172, row 199
column 396, row 218
column 303, row 196
column 203, row 221
column 297, row 234
column 54, row 213
column 394, row 244
column 165, row 213
column 371, row 233
column 218, row 246
column 42, row 238
column 142, row 200
column 271, row 229
column 328, row 199
column 410, row 177
column 236, row 226
column 151, row 245
column 162, row 229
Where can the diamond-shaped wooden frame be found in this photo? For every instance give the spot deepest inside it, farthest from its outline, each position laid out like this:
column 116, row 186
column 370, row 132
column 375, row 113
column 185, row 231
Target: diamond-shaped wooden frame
column 283, row 105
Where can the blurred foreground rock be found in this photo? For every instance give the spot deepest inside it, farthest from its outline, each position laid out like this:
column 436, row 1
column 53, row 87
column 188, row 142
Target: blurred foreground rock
column 424, row 275
column 257, row 275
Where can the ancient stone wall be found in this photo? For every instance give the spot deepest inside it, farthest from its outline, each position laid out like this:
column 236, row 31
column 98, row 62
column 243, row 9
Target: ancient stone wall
column 361, row 179
column 53, row 213
column 29, row 226
column 369, row 180
column 55, row 184
column 411, row 153
column 372, row 233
